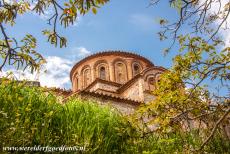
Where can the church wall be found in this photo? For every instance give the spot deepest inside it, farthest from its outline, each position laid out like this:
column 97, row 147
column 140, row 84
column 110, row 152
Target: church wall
column 136, row 76
column 104, row 86
column 135, row 91
column 122, row 107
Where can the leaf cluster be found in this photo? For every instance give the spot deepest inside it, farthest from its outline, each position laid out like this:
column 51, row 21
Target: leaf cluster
column 62, row 13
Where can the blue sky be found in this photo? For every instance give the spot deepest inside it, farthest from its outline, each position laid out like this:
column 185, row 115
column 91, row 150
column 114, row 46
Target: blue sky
column 128, row 25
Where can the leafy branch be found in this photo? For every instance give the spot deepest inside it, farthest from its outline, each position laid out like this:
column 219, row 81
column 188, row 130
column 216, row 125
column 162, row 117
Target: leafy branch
column 197, row 16
column 63, row 14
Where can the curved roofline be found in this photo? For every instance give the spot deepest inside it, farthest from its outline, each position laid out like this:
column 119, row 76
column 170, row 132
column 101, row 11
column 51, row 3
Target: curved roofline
column 153, row 68
column 110, row 52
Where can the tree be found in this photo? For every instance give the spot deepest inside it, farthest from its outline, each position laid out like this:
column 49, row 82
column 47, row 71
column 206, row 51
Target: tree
column 183, row 96
column 22, row 53
column 202, row 17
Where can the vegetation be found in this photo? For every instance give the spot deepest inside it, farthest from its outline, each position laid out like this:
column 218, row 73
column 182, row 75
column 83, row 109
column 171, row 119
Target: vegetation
column 189, row 94
column 29, row 116
column 22, row 53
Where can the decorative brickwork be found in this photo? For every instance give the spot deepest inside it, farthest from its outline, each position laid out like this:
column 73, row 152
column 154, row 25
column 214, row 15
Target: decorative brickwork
column 122, row 79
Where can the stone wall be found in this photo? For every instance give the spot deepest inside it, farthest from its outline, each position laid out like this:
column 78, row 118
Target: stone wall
column 104, row 86
column 123, row 107
column 135, row 91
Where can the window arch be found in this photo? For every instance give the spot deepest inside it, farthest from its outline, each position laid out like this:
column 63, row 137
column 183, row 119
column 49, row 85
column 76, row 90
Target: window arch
column 86, row 77
column 136, row 68
column 157, row 79
column 151, row 82
column 102, row 73
column 120, row 72
column 101, row 69
column 77, row 83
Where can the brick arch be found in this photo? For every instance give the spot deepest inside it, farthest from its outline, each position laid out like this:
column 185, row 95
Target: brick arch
column 98, row 65
column 151, row 80
column 146, row 76
column 120, row 70
column 157, row 77
column 76, row 80
column 153, row 70
column 86, row 76
column 134, row 72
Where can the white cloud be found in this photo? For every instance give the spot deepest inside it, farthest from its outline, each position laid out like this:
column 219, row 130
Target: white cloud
column 225, row 33
column 55, row 73
column 10, row 1
column 79, row 52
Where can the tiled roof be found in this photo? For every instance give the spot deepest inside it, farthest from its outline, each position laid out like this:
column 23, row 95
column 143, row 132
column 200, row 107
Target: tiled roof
column 121, row 88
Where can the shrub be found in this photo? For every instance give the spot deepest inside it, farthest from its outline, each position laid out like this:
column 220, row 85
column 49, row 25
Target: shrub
column 30, row 117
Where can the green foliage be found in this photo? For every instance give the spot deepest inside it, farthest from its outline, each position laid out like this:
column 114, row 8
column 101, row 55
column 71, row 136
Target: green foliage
column 183, row 101
column 31, row 117
column 63, row 13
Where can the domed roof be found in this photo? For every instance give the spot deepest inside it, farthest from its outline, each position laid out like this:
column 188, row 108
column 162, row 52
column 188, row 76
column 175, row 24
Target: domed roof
column 107, row 53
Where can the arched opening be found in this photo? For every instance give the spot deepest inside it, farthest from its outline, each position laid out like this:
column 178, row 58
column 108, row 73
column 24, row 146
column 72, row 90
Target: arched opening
column 86, row 77
column 77, row 86
column 121, row 72
column 101, row 70
column 151, row 82
column 157, row 80
column 136, row 69
column 102, row 73
column 119, row 80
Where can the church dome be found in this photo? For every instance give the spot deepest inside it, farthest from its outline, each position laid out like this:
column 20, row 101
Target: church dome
column 114, row 66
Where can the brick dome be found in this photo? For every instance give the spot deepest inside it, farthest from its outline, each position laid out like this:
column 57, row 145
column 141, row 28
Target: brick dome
column 114, row 66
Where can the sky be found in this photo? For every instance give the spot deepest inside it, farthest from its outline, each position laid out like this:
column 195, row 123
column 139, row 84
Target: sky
column 127, row 25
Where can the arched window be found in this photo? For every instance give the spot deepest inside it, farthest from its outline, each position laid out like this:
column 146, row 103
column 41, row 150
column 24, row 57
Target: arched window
column 101, row 69
column 102, row 73
column 157, row 79
column 121, row 72
column 86, row 77
column 77, row 86
column 136, row 69
column 151, row 82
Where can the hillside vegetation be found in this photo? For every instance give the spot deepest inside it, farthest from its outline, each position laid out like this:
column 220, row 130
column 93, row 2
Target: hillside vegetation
column 29, row 117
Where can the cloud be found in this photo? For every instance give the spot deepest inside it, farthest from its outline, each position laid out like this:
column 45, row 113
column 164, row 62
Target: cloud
column 10, row 1
column 142, row 21
column 55, row 73
column 225, row 33
column 79, row 52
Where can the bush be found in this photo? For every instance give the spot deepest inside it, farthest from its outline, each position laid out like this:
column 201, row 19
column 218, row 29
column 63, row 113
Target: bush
column 30, row 117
